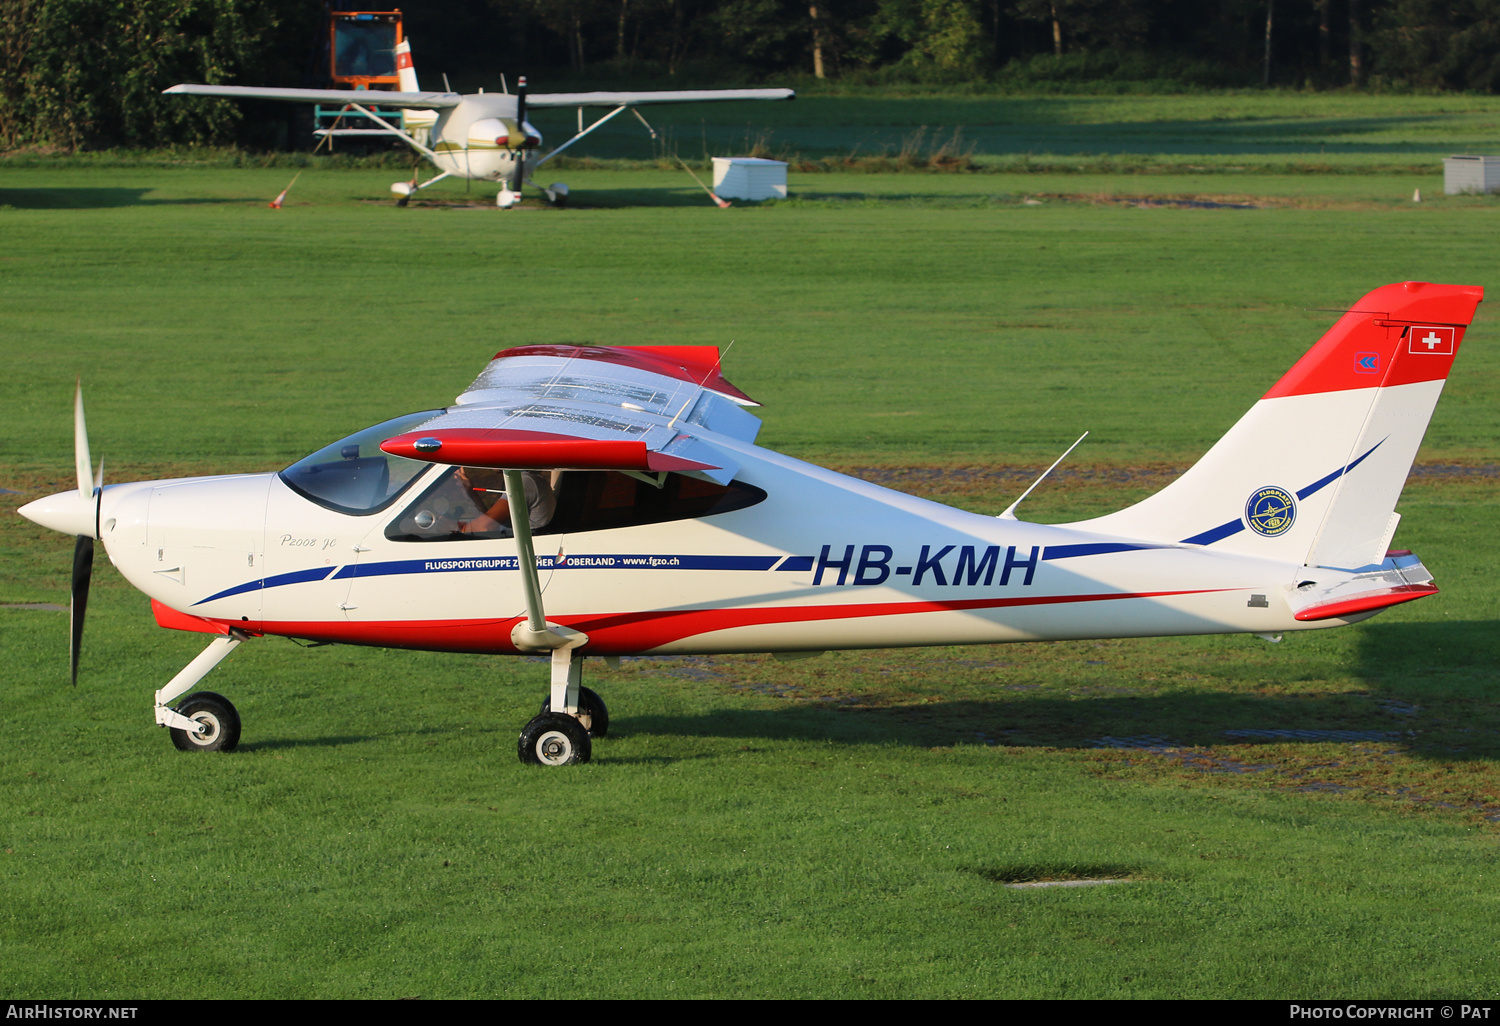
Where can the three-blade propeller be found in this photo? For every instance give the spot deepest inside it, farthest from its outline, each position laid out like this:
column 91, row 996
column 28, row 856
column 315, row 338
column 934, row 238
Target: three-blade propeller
column 89, row 489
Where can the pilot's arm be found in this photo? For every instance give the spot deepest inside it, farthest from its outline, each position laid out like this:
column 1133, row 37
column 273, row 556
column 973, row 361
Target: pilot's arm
column 541, row 503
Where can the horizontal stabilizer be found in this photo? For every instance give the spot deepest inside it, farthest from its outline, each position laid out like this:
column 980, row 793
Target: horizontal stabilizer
column 1365, row 603
column 533, row 450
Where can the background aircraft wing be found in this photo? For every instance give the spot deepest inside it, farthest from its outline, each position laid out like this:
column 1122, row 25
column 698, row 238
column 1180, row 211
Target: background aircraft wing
column 666, row 96
column 592, row 407
column 367, row 97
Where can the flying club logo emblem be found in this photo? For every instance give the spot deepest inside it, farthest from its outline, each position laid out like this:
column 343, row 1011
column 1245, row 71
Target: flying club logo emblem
column 1430, row 341
column 1270, row 511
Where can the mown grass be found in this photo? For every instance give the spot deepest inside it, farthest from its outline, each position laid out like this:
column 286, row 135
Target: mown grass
column 851, row 129
column 841, row 826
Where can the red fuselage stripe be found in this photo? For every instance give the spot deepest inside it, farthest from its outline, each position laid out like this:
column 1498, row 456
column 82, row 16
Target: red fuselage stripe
column 627, row 633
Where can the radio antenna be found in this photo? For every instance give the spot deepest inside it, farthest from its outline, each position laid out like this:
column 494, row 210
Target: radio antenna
column 1010, row 511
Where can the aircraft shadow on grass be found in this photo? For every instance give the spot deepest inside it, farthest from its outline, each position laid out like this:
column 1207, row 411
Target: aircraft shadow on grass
column 87, row 198
column 588, row 199
column 1429, row 695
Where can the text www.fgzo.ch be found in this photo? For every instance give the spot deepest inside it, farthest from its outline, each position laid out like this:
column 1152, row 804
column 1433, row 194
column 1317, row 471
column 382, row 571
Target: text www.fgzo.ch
column 973, row 566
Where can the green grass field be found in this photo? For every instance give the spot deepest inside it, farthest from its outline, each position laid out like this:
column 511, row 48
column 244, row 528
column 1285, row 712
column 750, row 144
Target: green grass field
column 1314, row 818
column 1222, row 131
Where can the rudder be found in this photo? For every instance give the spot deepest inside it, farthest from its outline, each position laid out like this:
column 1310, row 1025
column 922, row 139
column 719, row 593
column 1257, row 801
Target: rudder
column 1313, row 471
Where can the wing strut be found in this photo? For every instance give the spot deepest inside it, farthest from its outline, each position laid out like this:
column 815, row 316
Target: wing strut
column 583, row 133
column 383, row 123
column 535, row 634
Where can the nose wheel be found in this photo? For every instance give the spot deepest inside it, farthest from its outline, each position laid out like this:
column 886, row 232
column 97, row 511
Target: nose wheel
column 218, row 724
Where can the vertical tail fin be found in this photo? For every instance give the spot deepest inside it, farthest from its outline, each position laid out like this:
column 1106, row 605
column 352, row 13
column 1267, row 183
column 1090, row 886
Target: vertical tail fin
column 1312, row 472
column 418, row 123
column 406, row 72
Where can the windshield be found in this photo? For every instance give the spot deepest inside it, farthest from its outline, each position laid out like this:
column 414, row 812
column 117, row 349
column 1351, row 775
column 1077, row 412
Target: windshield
column 352, row 475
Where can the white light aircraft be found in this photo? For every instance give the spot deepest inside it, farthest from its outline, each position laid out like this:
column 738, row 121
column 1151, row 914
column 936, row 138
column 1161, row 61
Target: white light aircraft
column 481, row 136
column 656, row 525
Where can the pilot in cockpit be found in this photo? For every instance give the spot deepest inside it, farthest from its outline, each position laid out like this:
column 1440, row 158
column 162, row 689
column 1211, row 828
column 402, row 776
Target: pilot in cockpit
column 486, row 490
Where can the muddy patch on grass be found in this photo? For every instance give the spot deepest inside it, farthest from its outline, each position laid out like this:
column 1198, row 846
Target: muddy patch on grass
column 1362, row 773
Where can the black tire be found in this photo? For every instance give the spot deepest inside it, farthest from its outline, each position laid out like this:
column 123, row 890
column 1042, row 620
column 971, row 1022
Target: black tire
column 553, row 739
column 220, row 721
column 592, row 712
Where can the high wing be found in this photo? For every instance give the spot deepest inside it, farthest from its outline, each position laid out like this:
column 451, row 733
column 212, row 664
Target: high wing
column 648, row 409
column 420, row 101
column 661, row 96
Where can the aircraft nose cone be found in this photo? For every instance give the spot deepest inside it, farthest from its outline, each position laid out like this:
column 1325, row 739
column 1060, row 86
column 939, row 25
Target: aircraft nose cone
column 67, row 512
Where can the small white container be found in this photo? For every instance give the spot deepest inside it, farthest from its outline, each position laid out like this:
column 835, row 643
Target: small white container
column 1471, row 174
column 749, row 178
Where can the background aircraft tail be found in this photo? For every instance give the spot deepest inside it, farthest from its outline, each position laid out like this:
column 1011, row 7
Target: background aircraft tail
column 406, row 72
column 417, row 122
column 1312, row 473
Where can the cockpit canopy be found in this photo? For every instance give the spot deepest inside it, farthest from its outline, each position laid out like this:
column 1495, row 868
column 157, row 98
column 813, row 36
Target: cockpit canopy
column 353, row 475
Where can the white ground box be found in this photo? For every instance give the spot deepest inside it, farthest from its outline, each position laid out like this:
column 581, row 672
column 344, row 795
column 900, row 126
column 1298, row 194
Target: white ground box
column 750, row 178
column 1471, row 174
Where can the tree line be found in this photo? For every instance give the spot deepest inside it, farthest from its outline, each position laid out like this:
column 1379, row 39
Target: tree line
column 89, row 73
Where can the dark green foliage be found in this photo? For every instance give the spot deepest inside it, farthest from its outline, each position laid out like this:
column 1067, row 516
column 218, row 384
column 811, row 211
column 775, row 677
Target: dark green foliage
column 1440, row 45
column 88, row 72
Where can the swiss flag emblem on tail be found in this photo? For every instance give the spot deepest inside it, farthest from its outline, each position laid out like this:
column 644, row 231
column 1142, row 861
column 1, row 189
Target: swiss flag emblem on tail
column 1433, row 341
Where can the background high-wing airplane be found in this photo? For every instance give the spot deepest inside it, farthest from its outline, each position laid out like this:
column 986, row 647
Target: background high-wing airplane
column 482, row 136
column 657, row 525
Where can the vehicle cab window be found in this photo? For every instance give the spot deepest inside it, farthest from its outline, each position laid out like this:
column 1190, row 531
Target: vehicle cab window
column 353, row 475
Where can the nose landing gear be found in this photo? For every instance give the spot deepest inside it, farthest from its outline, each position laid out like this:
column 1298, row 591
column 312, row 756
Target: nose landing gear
column 205, row 722
column 219, row 724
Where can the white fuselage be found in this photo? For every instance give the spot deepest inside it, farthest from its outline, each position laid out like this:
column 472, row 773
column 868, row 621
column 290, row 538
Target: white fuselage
column 472, row 140
column 825, row 561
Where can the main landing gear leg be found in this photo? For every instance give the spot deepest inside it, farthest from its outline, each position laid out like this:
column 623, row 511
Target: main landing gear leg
column 566, row 737
column 205, row 722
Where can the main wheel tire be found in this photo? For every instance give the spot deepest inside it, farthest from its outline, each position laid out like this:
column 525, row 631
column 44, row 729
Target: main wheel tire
column 221, row 724
column 592, row 712
column 553, row 739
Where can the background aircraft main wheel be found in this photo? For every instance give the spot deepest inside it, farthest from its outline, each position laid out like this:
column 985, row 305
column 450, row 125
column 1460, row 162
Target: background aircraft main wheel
column 554, row 739
column 592, row 712
column 221, row 724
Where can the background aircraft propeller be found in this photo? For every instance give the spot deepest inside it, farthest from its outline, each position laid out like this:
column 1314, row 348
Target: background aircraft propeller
column 518, row 174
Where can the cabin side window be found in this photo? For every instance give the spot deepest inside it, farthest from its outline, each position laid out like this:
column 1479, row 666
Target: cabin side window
column 458, row 506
